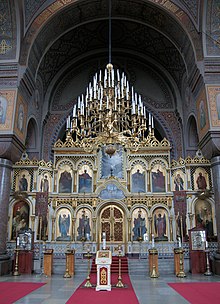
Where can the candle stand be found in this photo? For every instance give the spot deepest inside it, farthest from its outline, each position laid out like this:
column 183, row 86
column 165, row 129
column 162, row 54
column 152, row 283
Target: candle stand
column 153, row 263
column 119, row 284
column 16, row 272
column 208, row 271
column 88, row 255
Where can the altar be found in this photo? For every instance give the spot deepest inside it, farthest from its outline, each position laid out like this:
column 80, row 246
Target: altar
column 103, row 262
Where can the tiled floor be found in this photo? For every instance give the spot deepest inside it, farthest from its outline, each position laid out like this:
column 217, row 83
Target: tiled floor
column 58, row 290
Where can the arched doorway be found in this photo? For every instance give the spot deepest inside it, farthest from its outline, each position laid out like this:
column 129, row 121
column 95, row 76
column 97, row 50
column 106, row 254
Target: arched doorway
column 113, row 224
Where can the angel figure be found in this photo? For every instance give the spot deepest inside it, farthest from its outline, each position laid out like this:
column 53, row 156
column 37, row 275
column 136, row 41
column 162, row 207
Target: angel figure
column 64, row 225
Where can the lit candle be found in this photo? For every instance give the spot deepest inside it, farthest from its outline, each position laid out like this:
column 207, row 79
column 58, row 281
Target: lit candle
column 206, row 244
column 104, row 241
column 179, row 242
column 17, row 241
column 152, row 240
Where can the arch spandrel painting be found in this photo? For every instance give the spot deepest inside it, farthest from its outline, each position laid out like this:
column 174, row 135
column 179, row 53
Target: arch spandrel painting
column 112, row 166
column 138, row 179
column 158, row 179
column 63, row 225
column 85, row 179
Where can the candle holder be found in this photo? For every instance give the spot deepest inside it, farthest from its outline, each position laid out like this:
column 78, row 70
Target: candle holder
column 67, row 274
column 88, row 255
column 119, row 284
column 208, row 271
column 153, row 253
column 16, row 272
column 181, row 273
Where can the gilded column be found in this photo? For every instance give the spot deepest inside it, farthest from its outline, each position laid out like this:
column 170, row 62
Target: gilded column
column 148, row 181
column 74, row 180
column 171, row 228
column 150, row 227
column 94, row 179
column 5, row 186
column 129, row 180
column 55, row 181
column 129, row 229
column 94, row 229
column 32, row 222
column 168, row 180
column 73, row 228
column 53, row 228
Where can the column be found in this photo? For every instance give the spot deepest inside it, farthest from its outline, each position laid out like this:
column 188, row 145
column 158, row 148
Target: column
column 215, row 165
column 5, row 186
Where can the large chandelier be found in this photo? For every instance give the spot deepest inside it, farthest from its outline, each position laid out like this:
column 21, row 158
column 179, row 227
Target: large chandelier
column 109, row 113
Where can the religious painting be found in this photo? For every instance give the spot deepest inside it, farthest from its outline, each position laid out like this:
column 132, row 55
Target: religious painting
column 44, row 184
column 63, row 225
column 180, row 210
column 7, row 100
column 41, row 210
column 112, row 165
column 83, row 224
column 202, row 110
column 23, row 181
column 111, row 191
column 214, row 104
column 3, row 109
column 160, row 224
column 201, row 179
column 20, row 117
column 85, row 179
column 65, row 180
column 158, row 179
column 140, row 223
column 178, row 181
column 20, row 218
column 204, row 217
column 138, row 179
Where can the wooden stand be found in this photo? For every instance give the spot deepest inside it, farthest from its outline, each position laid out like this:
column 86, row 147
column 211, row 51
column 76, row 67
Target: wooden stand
column 25, row 261
column 153, row 263
column 177, row 253
column 71, row 261
column 48, row 262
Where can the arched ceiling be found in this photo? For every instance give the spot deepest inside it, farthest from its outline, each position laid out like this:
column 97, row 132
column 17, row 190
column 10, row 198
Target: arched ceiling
column 81, row 29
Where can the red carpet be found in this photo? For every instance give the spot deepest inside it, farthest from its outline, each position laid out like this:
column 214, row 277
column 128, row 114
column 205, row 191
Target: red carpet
column 116, row 295
column 13, row 291
column 198, row 293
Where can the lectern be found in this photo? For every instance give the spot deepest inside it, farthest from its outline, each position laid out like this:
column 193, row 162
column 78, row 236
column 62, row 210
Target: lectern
column 103, row 262
column 197, row 241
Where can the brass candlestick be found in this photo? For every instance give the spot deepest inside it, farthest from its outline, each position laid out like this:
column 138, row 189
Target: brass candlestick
column 16, row 272
column 67, row 275
column 119, row 284
column 181, row 273
column 154, row 273
column 208, row 271
column 88, row 255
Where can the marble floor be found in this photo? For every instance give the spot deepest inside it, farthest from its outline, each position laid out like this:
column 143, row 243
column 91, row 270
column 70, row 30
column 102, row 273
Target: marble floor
column 58, row 290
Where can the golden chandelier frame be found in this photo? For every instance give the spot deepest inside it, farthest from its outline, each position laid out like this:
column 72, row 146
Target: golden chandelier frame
column 109, row 114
